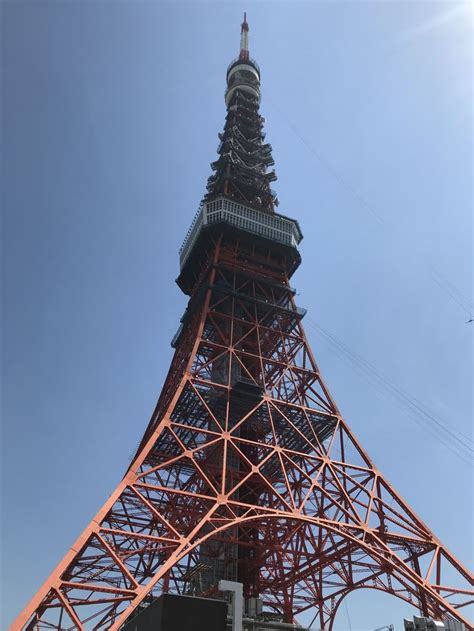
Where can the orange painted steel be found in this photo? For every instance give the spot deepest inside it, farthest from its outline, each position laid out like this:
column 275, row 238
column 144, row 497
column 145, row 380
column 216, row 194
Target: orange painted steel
column 247, row 469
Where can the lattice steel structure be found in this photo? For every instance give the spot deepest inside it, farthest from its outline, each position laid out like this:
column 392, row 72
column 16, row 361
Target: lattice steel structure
column 247, row 470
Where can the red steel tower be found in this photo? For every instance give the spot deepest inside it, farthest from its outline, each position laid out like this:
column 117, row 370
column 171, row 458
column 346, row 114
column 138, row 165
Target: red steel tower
column 247, row 471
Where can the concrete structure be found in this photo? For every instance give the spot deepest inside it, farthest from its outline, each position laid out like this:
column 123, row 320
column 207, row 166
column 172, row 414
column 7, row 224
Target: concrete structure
column 420, row 623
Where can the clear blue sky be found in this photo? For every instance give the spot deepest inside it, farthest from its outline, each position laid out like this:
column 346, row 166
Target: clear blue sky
column 111, row 112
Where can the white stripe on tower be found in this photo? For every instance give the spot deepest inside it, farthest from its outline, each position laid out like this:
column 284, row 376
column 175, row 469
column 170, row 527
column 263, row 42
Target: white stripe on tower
column 244, row 39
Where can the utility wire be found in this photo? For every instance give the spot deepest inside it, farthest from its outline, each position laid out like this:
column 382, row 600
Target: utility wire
column 414, row 405
column 467, row 301
column 329, row 167
column 452, row 291
column 347, row 614
column 447, row 286
column 421, row 414
column 420, row 421
column 438, row 427
column 418, row 411
column 423, row 422
column 410, row 397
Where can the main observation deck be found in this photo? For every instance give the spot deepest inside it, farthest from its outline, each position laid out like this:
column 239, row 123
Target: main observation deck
column 264, row 225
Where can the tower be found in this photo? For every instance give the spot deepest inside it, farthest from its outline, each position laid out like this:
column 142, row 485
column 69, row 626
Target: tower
column 247, row 470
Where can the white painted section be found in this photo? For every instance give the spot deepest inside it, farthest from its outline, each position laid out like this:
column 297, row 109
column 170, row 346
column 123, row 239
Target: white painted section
column 244, row 40
column 246, row 67
column 237, row 602
column 245, row 88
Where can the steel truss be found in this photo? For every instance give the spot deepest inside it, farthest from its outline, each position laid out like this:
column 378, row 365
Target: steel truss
column 248, row 470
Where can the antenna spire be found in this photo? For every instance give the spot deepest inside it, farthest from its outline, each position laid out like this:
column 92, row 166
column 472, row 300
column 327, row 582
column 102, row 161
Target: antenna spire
column 244, row 40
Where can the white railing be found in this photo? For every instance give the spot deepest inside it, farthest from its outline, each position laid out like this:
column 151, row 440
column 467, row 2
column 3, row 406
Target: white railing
column 269, row 225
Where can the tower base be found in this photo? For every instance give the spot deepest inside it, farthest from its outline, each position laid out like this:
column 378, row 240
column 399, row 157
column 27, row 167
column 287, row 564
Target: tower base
column 172, row 612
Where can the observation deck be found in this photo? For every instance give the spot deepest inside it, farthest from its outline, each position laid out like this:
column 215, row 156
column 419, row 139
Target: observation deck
column 226, row 214
column 238, row 61
column 243, row 75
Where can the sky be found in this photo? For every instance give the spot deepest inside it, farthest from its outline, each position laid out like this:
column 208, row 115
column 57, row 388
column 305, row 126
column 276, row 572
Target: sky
column 110, row 118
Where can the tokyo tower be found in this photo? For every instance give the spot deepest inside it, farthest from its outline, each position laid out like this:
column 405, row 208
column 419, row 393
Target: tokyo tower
column 247, row 474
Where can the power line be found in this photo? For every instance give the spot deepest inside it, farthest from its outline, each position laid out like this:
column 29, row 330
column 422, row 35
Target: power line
column 447, row 286
column 332, row 170
column 452, row 291
column 388, row 385
column 467, row 301
column 347, row 614
column 377, row 381
column 439, row 428
column 417, row 410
